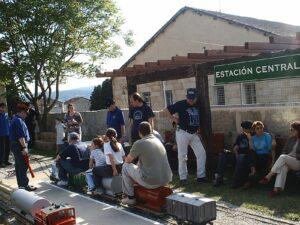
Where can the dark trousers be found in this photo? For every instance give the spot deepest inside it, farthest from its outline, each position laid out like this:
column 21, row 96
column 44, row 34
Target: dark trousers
column 4, row 149
column 65, row 167
column 242, row 166
column 31, row 130
column 261, row 162
column 100, row 172
column 20, row 165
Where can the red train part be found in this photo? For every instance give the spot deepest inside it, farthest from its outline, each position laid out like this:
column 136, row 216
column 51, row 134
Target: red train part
column 152, row 199
column 56, row 215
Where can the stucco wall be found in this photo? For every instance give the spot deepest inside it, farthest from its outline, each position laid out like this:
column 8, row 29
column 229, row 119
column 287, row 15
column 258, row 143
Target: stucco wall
column 81, row 105
column 226, row 120
column 190, row 32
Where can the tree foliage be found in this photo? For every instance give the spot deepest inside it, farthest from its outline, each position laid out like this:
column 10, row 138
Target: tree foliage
column 51, row 40
column 100, row 94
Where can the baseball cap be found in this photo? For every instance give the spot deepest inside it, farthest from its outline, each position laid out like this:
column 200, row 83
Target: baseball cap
column 109, row 102
column 22, row 107
column 191, row 93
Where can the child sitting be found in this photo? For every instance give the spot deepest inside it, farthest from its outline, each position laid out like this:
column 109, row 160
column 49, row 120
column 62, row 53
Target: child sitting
column 60, row 134
column 97, row 158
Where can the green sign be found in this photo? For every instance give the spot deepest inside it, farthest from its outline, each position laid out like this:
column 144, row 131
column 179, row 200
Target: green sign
column 261, row 69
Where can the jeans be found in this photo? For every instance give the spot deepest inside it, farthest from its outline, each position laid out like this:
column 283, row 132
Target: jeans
column 65, row 167
column 4, row 149
column 89, row 177
column 20, row 165
column 242, row 166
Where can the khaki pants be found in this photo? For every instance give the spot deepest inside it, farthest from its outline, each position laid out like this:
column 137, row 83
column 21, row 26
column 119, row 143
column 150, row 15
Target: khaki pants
column 131, row 174
column 281, row 167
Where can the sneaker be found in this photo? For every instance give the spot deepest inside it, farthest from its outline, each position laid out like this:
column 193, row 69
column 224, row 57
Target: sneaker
column 62, row 183
column 128, row 201
column 98, row 191
column 218, row 182
column 30, row 188
column 183, row 182
column 273, row 193
column 202, row 180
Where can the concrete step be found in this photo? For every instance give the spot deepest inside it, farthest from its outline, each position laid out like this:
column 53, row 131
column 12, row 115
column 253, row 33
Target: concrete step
column 45, row 145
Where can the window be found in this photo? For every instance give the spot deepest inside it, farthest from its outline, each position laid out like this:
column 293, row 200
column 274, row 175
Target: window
column 250, row 93
column 147, row 98
column 169, row 97
column 220, row 95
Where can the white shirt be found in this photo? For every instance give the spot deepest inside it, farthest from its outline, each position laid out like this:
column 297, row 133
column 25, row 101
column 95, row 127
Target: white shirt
column 117, row 155
column 98, row 156
column 60, row 133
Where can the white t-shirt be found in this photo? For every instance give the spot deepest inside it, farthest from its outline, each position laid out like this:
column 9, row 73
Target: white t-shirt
column 117, row 155
column 60, row 133
column 98, row 156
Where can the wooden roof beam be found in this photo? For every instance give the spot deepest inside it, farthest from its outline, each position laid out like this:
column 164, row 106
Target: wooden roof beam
column 242, row 49
column 269, row 46
column 222, row 53
column 284, row 40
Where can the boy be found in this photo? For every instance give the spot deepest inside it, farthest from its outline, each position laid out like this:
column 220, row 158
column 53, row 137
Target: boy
column 241, row 153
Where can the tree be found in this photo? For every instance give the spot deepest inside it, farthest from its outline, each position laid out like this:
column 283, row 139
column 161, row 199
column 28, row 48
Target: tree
column 51, row 40
column 100, row 94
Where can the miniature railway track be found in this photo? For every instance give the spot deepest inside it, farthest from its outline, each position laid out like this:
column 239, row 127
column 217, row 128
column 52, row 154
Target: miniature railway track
column 5, row 205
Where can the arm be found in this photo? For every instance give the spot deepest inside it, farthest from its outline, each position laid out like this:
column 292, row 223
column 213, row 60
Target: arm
column 123, row 130
column 129, row 158
column 23, row 144
column 91, row 163
column 151, row 121
column 113, row 164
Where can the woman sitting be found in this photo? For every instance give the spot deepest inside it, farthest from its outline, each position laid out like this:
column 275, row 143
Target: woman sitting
column 115, row 155
column 261, row 144
column 97, row 158
column 289, row 160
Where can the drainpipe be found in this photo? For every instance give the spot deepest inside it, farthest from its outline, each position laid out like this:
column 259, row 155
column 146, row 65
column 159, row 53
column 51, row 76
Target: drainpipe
column 164, row 92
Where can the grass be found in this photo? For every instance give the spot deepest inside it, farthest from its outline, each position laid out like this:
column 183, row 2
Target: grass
column 286, row 205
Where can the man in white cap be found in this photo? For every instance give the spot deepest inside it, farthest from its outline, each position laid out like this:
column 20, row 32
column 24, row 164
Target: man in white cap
column 187, row 134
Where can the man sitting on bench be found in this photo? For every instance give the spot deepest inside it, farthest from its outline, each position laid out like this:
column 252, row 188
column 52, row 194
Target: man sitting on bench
column 153, row 169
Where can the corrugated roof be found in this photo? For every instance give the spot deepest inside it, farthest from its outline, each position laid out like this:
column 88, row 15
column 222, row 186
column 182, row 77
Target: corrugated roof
column 264, row 26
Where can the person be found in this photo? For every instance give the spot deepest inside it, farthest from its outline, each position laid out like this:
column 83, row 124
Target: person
column 188, row 134
column 115, row 119
column 19, row 138
column 73, row 120
column 97, row 158
column 31, row 124
column 241, row 152
column 138, row 112
column 261, row 158
column 153, row 169
column 289, row 160
column 158, row 136
column 60, row 134
column 115, row 155
column 70, row 161
column 4, row 136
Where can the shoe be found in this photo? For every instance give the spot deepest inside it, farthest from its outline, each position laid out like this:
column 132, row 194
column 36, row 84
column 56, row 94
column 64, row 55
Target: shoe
column 30, row 188
column 202, row 180
column 264, row 181
column 247, row 185
column 98, row 191
column 128, row 201
column 8, row 164
column 183, row 182
column 273, row 193
column 218, row 182
column 62, row 183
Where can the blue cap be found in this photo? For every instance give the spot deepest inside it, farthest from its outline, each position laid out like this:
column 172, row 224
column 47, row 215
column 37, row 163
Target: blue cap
column 191, row 93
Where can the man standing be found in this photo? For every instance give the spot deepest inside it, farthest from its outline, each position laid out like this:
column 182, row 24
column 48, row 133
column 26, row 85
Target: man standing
column 115, row 118
column 188, row 134
column 31, row 124
column 19, row 137
column 153, row 169
column 4, row 136
column 138, row 113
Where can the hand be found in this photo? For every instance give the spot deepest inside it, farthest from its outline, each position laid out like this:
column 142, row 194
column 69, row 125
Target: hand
column 115, row 172
column 248, row 135
column 57, row 158
column 25, row 151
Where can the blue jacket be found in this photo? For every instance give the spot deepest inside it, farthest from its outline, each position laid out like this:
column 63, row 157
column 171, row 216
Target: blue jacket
column 4, row 124
column 18, row 129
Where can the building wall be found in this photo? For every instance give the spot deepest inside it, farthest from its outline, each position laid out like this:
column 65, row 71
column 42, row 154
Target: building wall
column 81, row 105
column 190, row 33
column 226, row 120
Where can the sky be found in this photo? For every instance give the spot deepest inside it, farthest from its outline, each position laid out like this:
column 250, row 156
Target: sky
column 146, row 17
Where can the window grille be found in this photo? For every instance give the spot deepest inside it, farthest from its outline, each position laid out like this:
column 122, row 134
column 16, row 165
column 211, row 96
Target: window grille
column 250, row 93
column 169, row 97
column 220, row 95
column 147, row 98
